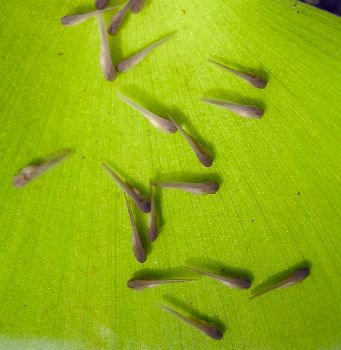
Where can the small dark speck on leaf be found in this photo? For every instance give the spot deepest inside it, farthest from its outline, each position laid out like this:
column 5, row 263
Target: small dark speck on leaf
column 184, row 12
column 298, row 193
column 24, row 305
column 252, row 220
column 60, row 53
column 83, row 157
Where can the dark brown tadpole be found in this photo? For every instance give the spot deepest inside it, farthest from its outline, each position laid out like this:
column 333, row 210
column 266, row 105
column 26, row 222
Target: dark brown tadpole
column 108, row 68
column 138, row 247
column 158, row 122
column 118, row 18
column 137, row 6
column 297, row 276
column 101, row 4
column 205, row 327
column 134, row 60
column 255, row 81
column 32, row 171
column 234, row 282
column 143, row 283
column 245, row 111
column 153, row 222
column 203, row 156
column 133, row 193
column 72, row 20
column 207, row 187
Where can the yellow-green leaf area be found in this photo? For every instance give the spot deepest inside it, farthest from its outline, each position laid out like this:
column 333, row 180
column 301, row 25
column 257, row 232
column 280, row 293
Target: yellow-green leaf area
column 65, row 238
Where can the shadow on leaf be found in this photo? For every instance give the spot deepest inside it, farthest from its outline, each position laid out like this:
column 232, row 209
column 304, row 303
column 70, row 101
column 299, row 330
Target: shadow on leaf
column 195, row 313
column 219, row 268
column 234, row 98
column 174, row 273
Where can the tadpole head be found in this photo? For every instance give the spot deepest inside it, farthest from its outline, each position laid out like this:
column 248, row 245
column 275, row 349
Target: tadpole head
column 210, row 187
column 302, row 273
column 19, row 181
column 215, row 333
column 145, row 206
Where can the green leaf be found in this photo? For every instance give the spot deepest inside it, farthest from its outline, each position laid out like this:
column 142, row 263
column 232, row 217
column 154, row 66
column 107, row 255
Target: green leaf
column 65, row 238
